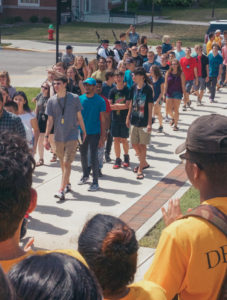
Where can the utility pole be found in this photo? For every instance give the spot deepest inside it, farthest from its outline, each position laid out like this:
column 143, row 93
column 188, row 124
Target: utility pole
column 126, row 6
column 152, row 17
column 213, row 7
column 58, row 21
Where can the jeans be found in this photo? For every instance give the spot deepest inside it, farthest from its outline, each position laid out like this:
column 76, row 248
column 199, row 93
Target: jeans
column 212, row 86
column 91, row 140
column 100, row 157
column 223, row 74
column 109, row 143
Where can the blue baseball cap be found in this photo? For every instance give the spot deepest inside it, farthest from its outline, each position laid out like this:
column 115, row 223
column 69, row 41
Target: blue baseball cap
column 90, row 81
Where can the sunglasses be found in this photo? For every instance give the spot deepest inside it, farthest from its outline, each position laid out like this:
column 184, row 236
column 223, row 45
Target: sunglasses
column 44, row 87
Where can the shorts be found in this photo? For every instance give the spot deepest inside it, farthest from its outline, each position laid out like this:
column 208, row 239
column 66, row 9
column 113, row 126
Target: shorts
column 175, row 95
column 66, row 151
column 201, row 84
column 140, row 135
column 188, row 86
column 119, row 129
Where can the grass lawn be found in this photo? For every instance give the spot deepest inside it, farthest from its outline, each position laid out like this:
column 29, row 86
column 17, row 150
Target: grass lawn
column 30, row 93
column 85, row 32
column 189, row 200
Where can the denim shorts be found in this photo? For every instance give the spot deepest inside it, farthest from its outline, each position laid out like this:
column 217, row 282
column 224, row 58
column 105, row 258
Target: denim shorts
column 188, row 85
column 175, row 95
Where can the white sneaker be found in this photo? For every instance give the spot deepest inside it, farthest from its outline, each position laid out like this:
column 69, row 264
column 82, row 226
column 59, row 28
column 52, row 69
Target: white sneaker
column 60, row 195
column 83, row 180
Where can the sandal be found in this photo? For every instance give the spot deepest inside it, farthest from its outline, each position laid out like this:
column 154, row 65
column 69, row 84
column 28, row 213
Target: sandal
column 54, row 158
column 40, row 162
column 135, row 170
column 140, row 176
column 175, row 128
column 146, row 167
column 172, row 122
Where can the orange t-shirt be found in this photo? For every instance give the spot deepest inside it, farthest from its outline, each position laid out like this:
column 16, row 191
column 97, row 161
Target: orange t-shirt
column 191, row 257
column 145, row 290
column 7, row 264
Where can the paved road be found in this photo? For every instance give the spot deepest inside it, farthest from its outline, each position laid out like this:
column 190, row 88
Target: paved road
column 26, row 68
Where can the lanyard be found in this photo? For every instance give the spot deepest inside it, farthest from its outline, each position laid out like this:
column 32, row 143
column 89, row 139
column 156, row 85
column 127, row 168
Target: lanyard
column 62, row 108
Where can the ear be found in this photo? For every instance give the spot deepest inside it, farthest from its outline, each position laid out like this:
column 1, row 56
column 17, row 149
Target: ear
column 196, row 172
column 33, row 201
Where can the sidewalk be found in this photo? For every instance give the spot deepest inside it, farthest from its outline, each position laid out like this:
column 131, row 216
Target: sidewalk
column 57, row 225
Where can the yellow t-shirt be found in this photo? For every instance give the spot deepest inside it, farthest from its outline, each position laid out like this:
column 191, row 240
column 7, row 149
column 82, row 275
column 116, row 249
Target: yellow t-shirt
column 218, row 40
column 7, row 264
column 99, row 75
column 191, row 257
column 209, row 46
column 145, row 290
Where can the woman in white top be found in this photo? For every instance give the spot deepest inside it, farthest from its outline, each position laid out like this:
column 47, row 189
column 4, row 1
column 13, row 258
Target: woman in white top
column 29, row 120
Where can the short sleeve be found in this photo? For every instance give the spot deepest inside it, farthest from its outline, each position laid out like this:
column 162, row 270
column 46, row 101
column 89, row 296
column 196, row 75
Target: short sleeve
column 108, row 108
column 49, row 109
column 19, row 127
column 111, row 95
column 77, row 102
column 102, row 105
column 150, row 98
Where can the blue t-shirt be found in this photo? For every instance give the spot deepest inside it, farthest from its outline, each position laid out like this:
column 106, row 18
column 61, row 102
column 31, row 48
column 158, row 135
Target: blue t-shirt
column 147, row 65
column 180, row 54
column 106, row 89
column 92, row 107
column 128, row 79
column 157, row 87
column 214, row 63
column 166, row 48
column 133, row 37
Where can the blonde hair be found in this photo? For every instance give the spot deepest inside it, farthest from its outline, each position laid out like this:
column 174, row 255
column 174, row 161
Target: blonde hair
column 165, row 38
column 5, row 74
column 76, row 60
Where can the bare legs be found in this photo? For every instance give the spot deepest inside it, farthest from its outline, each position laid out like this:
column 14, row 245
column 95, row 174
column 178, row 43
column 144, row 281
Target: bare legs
column 173, row 109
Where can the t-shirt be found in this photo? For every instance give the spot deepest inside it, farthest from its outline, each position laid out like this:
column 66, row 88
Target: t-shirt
column 140, row 99
column 145, row 290
column 157, row 87
column 209, row 46
column 179, row 54
column 214, row 63
column 106, row 89
column 26, row 120
column 68, row 59
column 92, row 107
column 99, row 75
column 191, row 257
column 128, row 79
column 68, row 131
column 144, row 57
column 188, row 65
column 119, row 97
column 164, row 69
column 166, row 48
column 147, row 65
column 7, row 264
column 11, row 122
column 133, row 37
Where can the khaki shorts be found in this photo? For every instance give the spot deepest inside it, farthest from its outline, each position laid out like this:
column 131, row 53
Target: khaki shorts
column 140, row 135
column 66, row 151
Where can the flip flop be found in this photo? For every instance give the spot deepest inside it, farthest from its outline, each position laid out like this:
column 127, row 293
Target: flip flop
column 146, row 167
column 40, row 163
column 135, row 170
column 140, row 176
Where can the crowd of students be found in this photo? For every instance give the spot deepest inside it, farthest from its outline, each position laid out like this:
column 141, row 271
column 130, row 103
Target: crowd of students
column 87, row 105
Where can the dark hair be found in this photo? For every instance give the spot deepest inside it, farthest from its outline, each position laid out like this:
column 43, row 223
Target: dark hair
column 143, row 38
column 215, row 45
column 141, row 71
column 98, row 81
column 60, row 77
column 122, row 34
column 16, row 167
column 114, row 64
column 6, row 290
column 189, row 48
column 109, row 74
column 211, row 35
column 173, row 53
column 118, row 73
column 157, row 71
column 102, row 58
column 110, row 248
column 11, row 104
column 26, row 105
column 53, row 276
column 1, row 97
column 179, row 69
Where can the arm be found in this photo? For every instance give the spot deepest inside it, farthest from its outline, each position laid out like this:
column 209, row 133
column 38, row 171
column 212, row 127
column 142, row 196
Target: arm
column 196, row 75
column 119, row 106
column 103, row 131
column 150, row 109
column 50, row 123
column 220, row 71
column 129, row 114
column 128, row 31
column 166, row 83
column 85, row 70
column 81, row 123
column 161, row 93
column 183, row 83
column 207, row 69
column 35, row 127
column 81, row 86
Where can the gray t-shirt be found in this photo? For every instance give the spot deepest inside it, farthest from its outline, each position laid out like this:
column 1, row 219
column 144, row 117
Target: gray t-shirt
column 69, row 130
column 68, row 59
column 133, row 37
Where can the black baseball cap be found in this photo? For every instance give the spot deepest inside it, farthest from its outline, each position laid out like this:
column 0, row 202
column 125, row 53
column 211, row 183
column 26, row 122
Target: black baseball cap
column 69, row 47
column 206, row 135
column 105, row 41
column 117, row 43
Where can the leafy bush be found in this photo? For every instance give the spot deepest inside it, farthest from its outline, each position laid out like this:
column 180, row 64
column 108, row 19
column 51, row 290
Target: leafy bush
column 177, row 3
column 34, row 19
column 9, row 20
column 46, row 20
column 18, row 19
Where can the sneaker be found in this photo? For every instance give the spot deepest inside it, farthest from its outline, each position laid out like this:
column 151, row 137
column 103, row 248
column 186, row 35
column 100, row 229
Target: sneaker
column 107, row 157
column 100, row 173
column 160, row 129
column 68, row 188
column 211, row 100
column 117, row 163
column 60, row 195
column 93, row 187
column 126, row 161
column 184, row 108
column 83, row 180
column 175, row 128
column 166, row 119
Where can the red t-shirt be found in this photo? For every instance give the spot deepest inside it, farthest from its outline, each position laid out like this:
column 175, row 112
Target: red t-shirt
column 199, row 65
column 108, row 108
column 188, row 65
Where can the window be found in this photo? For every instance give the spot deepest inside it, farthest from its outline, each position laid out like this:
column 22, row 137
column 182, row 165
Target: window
column 28, row 2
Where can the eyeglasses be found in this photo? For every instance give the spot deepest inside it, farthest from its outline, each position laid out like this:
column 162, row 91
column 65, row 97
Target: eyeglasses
column 44, row 87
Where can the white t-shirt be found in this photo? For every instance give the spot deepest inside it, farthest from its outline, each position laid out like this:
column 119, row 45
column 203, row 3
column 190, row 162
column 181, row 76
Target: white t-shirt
column 26, row 120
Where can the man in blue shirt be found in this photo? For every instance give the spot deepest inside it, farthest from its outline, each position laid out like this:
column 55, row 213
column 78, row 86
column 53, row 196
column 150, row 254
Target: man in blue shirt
column 130, row 65
column 215, row 70
column 151, row 61
column 93, row 113
column 133, row 36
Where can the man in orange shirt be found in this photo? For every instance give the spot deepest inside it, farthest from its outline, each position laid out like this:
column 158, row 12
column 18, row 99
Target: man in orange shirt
column 16, row 198
column 191, row 257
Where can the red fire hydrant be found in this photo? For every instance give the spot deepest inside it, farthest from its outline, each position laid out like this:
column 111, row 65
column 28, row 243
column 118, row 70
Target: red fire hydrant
column 51, row 32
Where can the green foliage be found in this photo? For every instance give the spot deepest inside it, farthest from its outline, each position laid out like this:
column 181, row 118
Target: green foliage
column 177, row 3
column 133, row 5
column 30, row 93
column 34, row 19
column 18, row 19
column 9, row 20
column 46, row 20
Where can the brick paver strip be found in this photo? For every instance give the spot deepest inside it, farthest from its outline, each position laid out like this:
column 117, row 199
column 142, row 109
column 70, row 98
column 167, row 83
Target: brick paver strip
column 153, row 200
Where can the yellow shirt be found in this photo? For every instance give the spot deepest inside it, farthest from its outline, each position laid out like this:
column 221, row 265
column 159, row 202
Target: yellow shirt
column 218, row 40
column 145, row 290
column 209, row 46
column 99, row 75
column 7, row 264
column 191, row 257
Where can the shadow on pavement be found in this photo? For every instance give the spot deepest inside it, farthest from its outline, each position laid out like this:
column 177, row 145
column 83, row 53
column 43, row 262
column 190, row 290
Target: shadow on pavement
column 102, row 201
column 121, row 179
column 37, row 225
column 51, row 210
column 118, row 192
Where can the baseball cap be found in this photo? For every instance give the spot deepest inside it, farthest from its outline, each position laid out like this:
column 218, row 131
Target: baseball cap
column 206, row 135
column 105, row 41
column 69, row 47
column 218, row 30
column 90, row 81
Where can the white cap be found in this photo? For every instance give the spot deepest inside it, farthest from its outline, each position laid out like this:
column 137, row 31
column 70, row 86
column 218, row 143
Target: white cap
column 218, row 30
